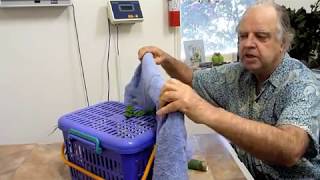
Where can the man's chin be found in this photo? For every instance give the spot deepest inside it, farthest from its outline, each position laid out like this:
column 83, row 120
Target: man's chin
column 252, row 64
column 252, row 67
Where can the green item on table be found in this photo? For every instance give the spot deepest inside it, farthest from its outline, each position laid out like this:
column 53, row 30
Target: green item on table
column 217, row 58
column 195, row 164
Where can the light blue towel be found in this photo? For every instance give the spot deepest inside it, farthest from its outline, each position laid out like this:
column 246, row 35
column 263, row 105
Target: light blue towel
column 144, row 90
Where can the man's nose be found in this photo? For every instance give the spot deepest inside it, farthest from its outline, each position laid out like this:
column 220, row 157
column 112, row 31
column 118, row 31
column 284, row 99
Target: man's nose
column 250, row 42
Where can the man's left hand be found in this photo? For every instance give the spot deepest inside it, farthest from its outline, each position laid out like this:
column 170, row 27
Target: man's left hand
column 177, row 96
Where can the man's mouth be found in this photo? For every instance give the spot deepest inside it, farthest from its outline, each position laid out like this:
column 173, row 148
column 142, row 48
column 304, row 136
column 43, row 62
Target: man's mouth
column 250, row 56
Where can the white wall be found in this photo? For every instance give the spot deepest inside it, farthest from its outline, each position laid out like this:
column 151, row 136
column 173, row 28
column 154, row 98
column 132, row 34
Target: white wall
column 39, row 65
column 40, row 76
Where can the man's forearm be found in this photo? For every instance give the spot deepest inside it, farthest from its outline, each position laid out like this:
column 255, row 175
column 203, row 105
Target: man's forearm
column 271, row 144
column 178, row 70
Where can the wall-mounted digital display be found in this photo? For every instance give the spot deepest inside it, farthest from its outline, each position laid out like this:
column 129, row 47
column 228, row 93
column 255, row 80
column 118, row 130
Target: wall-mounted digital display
column 124, row 11
column 126, row 7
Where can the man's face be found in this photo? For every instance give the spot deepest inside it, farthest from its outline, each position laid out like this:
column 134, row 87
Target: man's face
column 260, row 49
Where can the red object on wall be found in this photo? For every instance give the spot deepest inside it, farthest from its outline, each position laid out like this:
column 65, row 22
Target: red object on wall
column 174, row 18
column 174, row 13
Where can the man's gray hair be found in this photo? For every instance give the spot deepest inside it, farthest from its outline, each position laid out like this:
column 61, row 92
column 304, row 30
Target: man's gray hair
column 285, row 32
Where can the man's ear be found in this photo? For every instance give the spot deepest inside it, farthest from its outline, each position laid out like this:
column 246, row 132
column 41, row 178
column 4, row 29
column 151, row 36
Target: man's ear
column 282, row 47
column 284, row 44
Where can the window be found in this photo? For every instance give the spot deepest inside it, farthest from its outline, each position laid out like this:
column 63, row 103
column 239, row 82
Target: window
column 214, row 22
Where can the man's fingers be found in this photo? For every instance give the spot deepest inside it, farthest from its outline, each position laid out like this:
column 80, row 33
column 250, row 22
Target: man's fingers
column 151, row 49
column 158, row 55
column 162, row 104
column 168, row 97
column 163, row 98
column 158, row 60
column 169, row 92
column 169, row 108
column 167, row 87
column 171, row 85
column 142, row 51
column 174, row 83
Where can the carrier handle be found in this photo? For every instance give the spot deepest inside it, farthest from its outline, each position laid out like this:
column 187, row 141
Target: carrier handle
column 85, row 138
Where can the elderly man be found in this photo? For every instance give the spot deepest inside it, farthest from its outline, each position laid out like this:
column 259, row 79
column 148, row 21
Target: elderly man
column 268, row 105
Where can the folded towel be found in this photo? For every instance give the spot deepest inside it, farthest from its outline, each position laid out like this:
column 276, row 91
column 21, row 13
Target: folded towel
column 144, row 91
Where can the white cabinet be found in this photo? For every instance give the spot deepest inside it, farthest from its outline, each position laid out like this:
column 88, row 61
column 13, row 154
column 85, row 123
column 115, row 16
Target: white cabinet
column 34, row 3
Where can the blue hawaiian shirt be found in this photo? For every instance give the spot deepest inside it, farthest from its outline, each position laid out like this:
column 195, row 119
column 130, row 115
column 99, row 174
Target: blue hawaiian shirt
column 291, row 96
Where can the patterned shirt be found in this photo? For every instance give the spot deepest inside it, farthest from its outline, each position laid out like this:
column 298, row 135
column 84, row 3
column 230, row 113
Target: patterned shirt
column 291, row 96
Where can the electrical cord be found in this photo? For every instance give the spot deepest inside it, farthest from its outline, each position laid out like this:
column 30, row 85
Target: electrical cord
column 117, row 63
column 108, row 43
column 80, row 56
column 118, row 40
column 108, row 59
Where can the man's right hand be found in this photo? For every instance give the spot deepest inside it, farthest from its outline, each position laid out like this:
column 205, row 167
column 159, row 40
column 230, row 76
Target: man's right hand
column 159, row 55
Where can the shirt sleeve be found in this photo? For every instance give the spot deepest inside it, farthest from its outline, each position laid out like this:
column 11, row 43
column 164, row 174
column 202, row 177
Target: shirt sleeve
column 302, row 109
column 214, row 84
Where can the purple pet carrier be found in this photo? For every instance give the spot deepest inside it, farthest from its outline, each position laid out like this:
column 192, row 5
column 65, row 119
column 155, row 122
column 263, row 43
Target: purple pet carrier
column 103, row 141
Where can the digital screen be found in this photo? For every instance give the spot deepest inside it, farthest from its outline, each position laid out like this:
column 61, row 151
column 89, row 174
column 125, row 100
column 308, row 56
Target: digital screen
column 126, row 7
